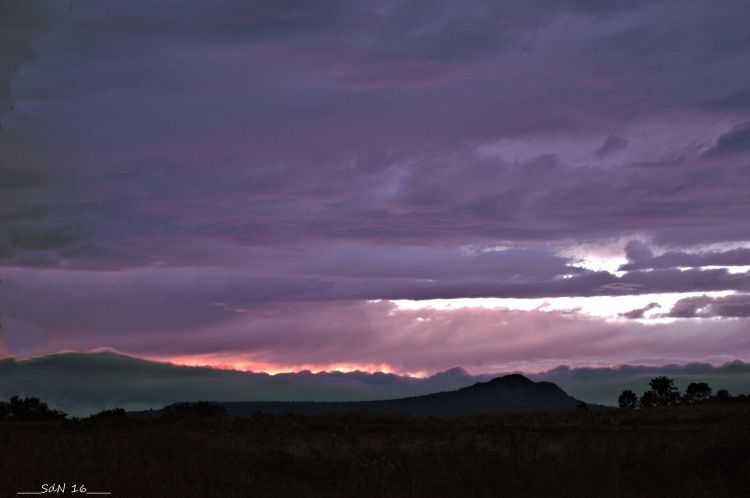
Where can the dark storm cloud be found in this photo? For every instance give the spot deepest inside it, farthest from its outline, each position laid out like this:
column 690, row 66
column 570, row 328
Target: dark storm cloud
column 162, row 116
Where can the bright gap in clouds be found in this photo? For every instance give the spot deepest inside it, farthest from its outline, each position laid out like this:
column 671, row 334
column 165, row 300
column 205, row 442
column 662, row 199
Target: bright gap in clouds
column 246, row 363
column 610, row 256
column 606, row 307
column 729, row 269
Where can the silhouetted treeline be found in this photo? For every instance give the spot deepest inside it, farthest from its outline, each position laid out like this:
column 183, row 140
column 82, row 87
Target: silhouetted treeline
column 28, row 410
column 664, row 393
column 195, row 409
column 115, row 414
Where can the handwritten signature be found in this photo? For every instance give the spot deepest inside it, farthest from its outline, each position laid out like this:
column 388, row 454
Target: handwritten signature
column 63, row 488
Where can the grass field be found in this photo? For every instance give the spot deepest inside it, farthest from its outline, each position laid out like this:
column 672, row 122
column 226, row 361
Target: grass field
column 681, row 451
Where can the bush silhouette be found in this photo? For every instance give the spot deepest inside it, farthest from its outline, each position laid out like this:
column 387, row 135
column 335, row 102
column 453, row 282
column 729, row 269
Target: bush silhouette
column 628, row 400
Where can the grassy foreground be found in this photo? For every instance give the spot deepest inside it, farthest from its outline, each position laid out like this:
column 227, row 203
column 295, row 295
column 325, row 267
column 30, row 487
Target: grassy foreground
column 681, row 451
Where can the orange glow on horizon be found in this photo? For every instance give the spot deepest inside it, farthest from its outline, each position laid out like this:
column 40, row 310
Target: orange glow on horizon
column 245, row 364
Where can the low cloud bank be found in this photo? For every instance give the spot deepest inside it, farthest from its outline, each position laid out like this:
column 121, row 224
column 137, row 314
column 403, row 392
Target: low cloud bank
column 85, row 383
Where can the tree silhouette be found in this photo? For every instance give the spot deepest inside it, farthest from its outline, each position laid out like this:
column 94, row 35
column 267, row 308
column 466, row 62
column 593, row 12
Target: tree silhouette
column 697, row 392
column 649, row 399
column 628, row 400
column 113, row 414
column 665, row 391
column 722, row 395
column 28, row 410
column 195, row 409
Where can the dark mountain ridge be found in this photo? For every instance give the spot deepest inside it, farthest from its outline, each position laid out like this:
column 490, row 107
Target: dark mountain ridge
column 510, row 393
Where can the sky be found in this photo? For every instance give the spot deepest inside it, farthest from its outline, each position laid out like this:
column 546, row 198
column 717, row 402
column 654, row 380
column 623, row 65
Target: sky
column 376, row 185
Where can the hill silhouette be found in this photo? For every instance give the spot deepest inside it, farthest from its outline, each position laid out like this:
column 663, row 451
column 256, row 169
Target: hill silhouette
column 510, row 393
column 81, row 384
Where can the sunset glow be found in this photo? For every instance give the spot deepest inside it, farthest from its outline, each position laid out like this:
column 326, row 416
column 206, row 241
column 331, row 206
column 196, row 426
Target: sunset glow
column 376, row 186
column 244, row 364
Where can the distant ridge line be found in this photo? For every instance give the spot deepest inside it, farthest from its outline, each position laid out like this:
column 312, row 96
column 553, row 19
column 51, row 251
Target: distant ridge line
column 509, row 393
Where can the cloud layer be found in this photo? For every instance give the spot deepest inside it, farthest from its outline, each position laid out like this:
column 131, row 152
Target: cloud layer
column 172, row 174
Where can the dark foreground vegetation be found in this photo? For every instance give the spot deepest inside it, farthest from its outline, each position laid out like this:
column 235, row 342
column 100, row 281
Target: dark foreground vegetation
column 663, row 392
column 196, row 451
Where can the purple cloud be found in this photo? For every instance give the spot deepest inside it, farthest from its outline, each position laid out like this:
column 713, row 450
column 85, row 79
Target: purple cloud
column 640, row 257
column 732, row 306
column 300, row 335
column 639, row 312
column 167, row 169
column 610, row 146
column 732, row 142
